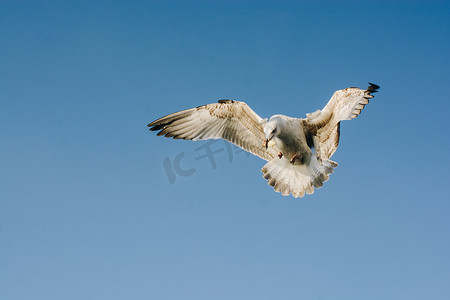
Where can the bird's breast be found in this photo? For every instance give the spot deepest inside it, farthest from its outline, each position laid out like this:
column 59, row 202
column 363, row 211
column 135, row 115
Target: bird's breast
column 293, row 144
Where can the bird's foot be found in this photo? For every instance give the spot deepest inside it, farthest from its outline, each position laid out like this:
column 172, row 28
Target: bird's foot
column 280, row 155
column 294, row 158
column 319, row 158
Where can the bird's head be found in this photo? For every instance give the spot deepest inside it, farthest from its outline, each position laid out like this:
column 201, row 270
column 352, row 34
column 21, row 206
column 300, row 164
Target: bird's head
column 270, row 130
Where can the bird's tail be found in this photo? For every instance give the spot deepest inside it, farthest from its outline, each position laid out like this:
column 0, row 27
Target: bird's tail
column 288, row 178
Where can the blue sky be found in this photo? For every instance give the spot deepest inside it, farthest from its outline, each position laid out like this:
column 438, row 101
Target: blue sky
column 88, row 211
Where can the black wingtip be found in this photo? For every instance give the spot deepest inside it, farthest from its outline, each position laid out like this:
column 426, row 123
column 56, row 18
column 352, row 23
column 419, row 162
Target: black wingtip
column 226, row 101
column 159, row 126
column 373, row 88
column 153, row 126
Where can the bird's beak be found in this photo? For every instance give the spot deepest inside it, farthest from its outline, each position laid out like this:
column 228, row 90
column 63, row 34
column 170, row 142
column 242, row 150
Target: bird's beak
column 266, row 143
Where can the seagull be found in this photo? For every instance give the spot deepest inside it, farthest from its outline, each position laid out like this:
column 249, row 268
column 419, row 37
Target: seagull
column 297, row 150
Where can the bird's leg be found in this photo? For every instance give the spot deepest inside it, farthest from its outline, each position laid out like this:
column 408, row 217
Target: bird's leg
column 280, row 155
column 294, row 158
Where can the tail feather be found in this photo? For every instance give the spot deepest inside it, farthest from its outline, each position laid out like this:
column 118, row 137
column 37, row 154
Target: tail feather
column 297, row 180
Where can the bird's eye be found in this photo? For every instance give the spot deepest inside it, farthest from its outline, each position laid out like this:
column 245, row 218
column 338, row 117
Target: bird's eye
column 273, row 131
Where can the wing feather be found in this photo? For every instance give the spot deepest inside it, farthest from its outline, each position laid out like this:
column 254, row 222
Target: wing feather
column 230, row 120
column 344, row 105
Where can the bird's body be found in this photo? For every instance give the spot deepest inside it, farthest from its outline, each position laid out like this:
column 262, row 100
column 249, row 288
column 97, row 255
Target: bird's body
column 298, row 150
column 291, row 138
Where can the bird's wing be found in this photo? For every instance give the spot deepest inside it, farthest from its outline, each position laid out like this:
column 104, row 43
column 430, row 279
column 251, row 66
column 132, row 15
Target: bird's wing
column 344, row 105
column 230, row 120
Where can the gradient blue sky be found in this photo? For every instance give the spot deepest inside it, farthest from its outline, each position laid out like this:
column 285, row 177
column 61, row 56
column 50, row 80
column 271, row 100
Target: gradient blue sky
column 86, row 207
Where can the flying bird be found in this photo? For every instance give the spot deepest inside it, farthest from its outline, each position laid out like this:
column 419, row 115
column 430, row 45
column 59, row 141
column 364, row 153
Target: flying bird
column 297, row 150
